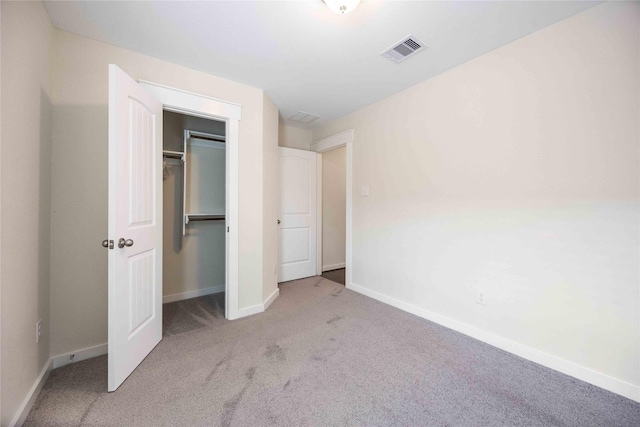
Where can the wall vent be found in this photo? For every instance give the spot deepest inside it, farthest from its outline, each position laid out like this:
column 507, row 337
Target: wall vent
column 404, row 49
column 303, row 117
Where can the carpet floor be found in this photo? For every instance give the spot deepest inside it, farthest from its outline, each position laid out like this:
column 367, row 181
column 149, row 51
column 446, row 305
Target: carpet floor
column 322, row 355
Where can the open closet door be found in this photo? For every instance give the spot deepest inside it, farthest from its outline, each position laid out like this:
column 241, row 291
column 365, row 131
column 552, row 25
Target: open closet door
column 135, row 225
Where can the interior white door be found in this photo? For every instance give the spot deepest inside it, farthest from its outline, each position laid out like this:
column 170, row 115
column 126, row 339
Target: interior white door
column 135, row 225
column 298, row 230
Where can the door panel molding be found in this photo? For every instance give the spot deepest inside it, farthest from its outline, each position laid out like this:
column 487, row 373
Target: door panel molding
column 135, row 214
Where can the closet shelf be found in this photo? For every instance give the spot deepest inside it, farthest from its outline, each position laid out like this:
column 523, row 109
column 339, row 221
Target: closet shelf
column 203, row 217
column 173, row 154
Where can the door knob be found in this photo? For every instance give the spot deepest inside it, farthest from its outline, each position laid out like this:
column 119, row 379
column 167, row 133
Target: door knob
column 122, row 243
column 107, row 243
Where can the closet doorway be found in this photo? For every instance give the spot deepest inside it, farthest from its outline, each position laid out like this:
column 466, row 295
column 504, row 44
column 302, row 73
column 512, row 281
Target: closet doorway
column 194, row 200
column 135, row 211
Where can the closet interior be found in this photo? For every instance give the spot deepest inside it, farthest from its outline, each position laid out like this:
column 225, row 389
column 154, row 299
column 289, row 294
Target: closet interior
column 194, row 190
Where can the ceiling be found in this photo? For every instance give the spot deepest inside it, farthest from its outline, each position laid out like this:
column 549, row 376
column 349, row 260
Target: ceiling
column 304, row 56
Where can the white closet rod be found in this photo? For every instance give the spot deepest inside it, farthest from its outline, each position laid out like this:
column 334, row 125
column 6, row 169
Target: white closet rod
column 209, row 136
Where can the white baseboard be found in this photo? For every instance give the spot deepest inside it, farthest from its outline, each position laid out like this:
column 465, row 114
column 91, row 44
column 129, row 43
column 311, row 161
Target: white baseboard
column 271, row 298
column 250, row 311
column 258, row 308
column 53, row 363
column 580, row 372
column 192, row 294
column 332, row 267
column 31, row 397
column 78, row 355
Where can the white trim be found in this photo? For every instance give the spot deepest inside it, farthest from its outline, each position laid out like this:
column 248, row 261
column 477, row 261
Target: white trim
column 333, row 267
column 349, row 213
column 598, row 379
column 192, row 294
column 318, row 214
column 232, row 222
column 193, row 102
column 31, row 397
column 334, row 141
column 259, row 308
column 338, row 140
column 250, row 311
column 53, row 363
column 78, row 355
column 271, row 298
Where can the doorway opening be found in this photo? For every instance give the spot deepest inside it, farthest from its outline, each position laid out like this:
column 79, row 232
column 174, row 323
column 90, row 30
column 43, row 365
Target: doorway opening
column 194, row 206
column 343, row 139
column 334, row 214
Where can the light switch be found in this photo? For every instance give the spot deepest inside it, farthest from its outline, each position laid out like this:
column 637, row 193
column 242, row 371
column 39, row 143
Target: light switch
column 364, row 191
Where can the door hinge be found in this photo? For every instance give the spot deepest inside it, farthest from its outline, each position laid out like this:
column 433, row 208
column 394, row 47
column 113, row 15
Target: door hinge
column 227, row 229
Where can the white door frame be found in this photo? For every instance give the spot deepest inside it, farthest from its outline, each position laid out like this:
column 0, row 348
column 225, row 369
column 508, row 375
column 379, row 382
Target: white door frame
column 198, row 105
column 342, row 139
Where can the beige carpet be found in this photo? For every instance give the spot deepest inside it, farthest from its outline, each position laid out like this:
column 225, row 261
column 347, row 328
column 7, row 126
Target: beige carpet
column 322, row 356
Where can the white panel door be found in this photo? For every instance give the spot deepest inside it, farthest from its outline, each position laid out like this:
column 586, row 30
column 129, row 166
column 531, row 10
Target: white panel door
column 135, row 225
column 298, row 231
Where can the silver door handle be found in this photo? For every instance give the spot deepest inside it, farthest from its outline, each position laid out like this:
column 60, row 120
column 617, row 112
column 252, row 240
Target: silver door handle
column 122, row 243
column 107, row 243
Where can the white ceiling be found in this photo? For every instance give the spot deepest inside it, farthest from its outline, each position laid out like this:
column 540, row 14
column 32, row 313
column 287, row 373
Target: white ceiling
column 304, row 56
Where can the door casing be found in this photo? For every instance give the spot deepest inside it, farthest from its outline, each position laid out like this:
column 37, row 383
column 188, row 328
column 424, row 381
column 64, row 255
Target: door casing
column 342, row 139
column 193, row 104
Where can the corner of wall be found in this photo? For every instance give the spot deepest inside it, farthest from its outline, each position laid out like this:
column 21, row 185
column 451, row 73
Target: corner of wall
column 270, row 200
column 293, row 137
column 27, row 64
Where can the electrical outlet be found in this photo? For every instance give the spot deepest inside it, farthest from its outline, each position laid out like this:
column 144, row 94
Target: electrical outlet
column 481, row 297
column 38, row 330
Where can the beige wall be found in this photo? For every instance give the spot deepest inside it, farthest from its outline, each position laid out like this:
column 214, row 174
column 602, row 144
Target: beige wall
column 270, row 201
column 26, row 198
column 195, row 261
column 79, row 273
column 516, row 173
column 293, row 137
column 334, row 178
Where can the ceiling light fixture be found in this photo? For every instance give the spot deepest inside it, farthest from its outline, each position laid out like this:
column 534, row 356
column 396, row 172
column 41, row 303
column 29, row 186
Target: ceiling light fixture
column 342, row 6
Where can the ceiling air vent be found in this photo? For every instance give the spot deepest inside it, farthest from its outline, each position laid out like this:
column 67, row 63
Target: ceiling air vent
column 303, row 117
column 403, row 49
